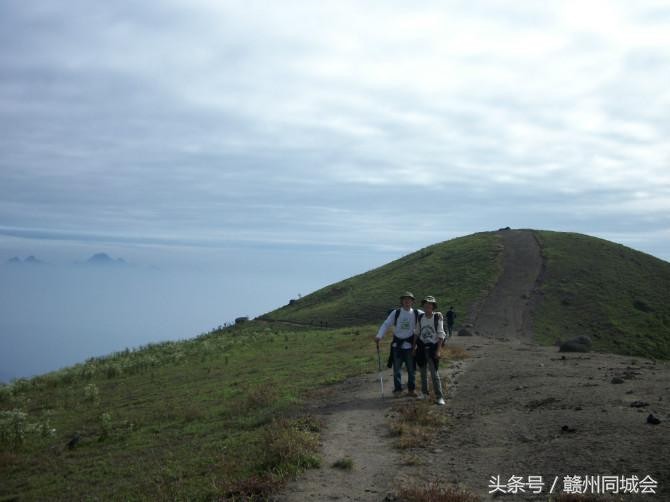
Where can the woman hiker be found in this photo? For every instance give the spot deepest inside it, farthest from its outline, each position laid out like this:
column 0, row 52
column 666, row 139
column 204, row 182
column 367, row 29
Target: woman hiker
column 429, row 336
column 404, row 321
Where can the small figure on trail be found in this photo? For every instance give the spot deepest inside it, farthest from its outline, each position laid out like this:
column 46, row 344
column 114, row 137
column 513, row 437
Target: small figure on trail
column 403, row 320
column 429, row 336
column 450, row 322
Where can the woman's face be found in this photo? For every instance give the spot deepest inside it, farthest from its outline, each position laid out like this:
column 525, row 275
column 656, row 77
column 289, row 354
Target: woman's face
column 428, row 308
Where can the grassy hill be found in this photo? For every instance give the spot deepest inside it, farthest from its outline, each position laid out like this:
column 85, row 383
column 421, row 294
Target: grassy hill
column 220, row 415
column 457, row 272
column 616, row 295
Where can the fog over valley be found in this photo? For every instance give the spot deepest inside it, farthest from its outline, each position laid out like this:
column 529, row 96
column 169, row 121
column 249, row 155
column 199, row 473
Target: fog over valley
column 54, row 315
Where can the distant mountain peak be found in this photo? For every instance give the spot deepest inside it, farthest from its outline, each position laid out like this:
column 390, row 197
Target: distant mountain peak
column 105, row 259
column 30, row 260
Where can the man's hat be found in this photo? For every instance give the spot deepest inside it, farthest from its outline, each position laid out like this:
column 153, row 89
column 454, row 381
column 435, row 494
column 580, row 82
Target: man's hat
column 407, row 294
column 430, row 299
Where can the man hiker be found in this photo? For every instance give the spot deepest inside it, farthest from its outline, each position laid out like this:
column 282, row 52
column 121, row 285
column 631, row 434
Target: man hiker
column 450, row 320
column 403, row 320
column 428, row 340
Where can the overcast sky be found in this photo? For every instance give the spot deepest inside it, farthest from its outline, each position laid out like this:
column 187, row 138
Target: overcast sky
column 181, row 131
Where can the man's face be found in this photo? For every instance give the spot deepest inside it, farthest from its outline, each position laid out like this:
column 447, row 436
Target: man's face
column 407, row 302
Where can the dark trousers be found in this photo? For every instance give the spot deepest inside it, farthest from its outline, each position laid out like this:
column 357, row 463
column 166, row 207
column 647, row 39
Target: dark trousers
column 401, row 356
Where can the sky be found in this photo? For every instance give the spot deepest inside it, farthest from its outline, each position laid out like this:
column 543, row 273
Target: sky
column 291, row 144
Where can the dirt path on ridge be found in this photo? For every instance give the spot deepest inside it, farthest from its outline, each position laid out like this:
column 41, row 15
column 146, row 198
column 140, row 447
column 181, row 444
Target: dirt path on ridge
column 505, row 312
column 506, row 406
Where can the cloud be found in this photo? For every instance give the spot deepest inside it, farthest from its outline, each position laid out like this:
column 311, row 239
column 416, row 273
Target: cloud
column 332, row 122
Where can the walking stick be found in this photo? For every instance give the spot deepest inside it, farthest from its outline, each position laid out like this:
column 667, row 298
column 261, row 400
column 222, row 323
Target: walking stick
column 381, row 376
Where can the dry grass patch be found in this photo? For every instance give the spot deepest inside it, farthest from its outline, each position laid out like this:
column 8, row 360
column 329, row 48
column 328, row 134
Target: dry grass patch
column 412, row 459
column 455, row 352
column 415, row 423
column 433, row 492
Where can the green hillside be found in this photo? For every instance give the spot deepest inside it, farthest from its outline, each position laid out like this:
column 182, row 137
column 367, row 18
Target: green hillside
column 203, row 419
column 457, row 272
column 616, row 295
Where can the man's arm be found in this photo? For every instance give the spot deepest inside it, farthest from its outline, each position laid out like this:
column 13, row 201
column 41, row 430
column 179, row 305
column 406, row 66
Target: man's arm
column 385, row 327
column 441, row 334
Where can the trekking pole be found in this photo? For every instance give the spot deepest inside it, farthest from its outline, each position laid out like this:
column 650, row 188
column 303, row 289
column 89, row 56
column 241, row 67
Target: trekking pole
column 381, row 376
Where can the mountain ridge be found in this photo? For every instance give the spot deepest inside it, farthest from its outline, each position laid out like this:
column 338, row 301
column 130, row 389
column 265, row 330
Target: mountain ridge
column 584, row 285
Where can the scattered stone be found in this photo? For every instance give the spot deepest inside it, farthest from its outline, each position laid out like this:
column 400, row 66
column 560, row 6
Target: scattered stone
column 464, row 332
column 578, row 408
column 629, row 391
column 617, row 380
column 628, row 374
column 638, row 404
column 536, row 403
column 651, row 419
column 565, row 428
column 577, row 344
column 584, row 340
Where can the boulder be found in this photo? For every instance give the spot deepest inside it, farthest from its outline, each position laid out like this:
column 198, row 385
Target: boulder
column 571, row 346
column 578, row 344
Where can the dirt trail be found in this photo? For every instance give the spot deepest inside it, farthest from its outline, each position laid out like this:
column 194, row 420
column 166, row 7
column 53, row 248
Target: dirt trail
column 505, row 312
column 506, row 407
column 356, row 428
column 513, row 400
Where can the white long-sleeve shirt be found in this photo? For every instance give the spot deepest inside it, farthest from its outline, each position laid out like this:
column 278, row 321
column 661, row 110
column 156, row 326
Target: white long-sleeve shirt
column 404, row 329
column 425, row 329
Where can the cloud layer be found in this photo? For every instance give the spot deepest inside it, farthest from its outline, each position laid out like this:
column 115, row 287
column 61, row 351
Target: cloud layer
column 386, row 126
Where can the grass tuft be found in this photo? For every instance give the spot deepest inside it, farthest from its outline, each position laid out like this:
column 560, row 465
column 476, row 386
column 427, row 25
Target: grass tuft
column 345, row 464
column 415, row 424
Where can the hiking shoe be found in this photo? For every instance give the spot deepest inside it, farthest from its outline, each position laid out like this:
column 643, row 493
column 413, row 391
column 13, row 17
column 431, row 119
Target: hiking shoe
column 397, row 393
column 421, row 396
column 411, row 393
column 441, row 401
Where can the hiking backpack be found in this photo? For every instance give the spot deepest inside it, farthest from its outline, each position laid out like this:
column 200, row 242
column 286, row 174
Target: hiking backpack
column 436, row 319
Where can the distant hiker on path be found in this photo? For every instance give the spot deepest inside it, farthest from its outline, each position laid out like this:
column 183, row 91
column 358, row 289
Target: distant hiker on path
column 404, row 320
column 429, row 338
column 450, row 322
